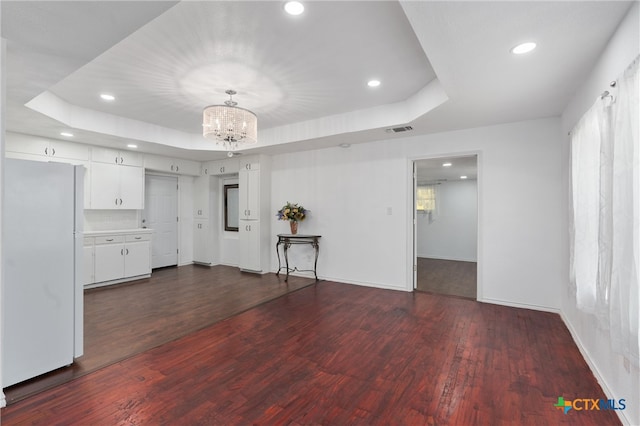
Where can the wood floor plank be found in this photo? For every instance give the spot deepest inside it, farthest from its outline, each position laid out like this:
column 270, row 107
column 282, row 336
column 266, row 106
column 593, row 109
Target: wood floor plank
column 452, row 277
column 341, row 354
column 123, row 320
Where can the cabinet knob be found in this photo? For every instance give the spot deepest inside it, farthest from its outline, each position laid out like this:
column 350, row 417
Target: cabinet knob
column 206, row 171
column 121, row 160
column 46, row 151
column 126, row 251
column 121, row 252
column 177, row 168
column 222, row 169
column 109, row 239
column 53, row 151
column 116, row 160
column 138, row 238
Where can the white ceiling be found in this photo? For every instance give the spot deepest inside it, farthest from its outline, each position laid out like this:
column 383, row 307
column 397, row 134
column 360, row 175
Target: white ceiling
column 443, row 65
column 432, row 170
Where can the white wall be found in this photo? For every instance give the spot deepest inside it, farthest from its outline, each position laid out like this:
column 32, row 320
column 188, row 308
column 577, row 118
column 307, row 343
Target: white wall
column 618, row 378
column 451, row 233
column 360, row 201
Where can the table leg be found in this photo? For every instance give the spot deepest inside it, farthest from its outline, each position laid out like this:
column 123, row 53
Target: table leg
column 286, row 260
column 315, row 264
column 278, row 254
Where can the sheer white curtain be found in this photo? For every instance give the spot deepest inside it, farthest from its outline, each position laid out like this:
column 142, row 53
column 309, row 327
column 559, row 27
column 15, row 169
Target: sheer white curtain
column 625, row 206
column 605, row 202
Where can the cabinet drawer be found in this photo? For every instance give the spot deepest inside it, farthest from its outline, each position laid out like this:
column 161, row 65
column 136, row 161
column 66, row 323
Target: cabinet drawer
column 139, row 237
column 110, row 239
column 88, row 241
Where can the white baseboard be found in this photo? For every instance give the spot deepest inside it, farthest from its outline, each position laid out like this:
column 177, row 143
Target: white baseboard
column 366, row 284
column 457, row 259
column 520, row 305
column 594, row 369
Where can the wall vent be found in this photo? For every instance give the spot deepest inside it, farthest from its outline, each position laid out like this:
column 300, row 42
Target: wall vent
column 399, row 129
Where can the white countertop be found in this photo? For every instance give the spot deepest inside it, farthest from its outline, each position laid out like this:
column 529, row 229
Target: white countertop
column 118, row 231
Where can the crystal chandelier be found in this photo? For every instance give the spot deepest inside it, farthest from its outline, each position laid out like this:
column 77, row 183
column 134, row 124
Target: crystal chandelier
column 229, row 125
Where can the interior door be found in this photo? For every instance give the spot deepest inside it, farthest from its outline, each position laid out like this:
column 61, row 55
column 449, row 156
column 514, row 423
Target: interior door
column 161, row 214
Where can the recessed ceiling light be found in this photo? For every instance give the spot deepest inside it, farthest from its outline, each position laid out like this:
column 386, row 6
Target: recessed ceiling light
column 66, row 134
column 373, row 83
column 446, row 164
column 523, row 48
column 132, row 145
column 107, row 97
column 294, row 8
column 463, row 177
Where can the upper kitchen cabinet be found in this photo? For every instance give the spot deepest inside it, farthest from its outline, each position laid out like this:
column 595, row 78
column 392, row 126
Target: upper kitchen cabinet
column 221, row 167
column 35, row 148
column 113, row 156
column 116, row 187
column 171, row 165
column 41, row 149
column 250, row 163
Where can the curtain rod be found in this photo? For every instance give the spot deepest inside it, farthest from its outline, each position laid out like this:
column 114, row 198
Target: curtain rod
column 606, row 94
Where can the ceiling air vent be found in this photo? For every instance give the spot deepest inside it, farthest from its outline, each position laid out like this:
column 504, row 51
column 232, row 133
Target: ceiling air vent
column 399, row 129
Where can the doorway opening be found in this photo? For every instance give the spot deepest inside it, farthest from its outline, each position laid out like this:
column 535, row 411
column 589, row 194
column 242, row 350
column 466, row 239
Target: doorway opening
column 446, row 226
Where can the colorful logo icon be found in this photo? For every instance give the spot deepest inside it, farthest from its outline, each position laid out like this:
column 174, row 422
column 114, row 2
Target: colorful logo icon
column 563, row 405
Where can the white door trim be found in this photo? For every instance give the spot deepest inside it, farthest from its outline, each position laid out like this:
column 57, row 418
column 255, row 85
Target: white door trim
column 411, row 229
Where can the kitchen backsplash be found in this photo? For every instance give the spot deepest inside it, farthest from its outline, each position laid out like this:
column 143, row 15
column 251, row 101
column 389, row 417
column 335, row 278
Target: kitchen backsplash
column 107, row 220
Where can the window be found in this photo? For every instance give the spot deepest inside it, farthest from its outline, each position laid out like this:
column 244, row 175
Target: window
column 426, row 198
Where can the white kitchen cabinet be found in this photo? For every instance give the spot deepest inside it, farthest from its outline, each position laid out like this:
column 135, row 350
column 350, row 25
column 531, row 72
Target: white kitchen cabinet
column 202, row 242
column 160, row 163
column 188, row 167
column 250, row 163
column 119, row 257
column 201, row 197
column 50, row 148
column 250, row 253
column 137, row 259
column 116, row 187
column 113, row 156
column 254, row 197
column 34, row 148
column 221, row 167
column 249, row 194
column 109, row 261
column 88, row 261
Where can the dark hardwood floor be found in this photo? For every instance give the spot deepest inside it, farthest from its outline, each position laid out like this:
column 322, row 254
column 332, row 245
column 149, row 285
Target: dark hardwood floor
column 341, row 354
column 450, row 277
column 126, row 319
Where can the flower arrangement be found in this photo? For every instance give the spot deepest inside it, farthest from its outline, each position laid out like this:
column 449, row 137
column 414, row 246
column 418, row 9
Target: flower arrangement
column 292, row 212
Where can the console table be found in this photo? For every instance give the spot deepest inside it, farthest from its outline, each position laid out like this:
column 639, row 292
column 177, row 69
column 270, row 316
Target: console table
column 287, row 240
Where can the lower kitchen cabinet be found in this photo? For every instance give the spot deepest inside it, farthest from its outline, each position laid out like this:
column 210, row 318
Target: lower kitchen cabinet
column 88, row 251
column 250, row 246
column 202, row 242
column 119, row 257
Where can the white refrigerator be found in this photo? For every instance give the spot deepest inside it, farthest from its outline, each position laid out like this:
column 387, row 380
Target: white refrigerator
column 42, row 263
